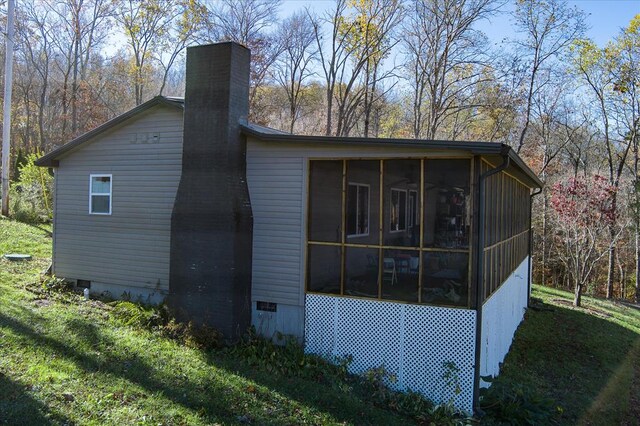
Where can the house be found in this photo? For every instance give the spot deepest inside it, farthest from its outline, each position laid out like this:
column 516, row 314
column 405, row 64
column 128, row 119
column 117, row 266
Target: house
column 413, row 255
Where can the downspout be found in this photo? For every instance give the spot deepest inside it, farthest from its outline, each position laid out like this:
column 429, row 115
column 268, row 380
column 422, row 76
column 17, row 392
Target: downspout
column 530, row 245
column 506, row 161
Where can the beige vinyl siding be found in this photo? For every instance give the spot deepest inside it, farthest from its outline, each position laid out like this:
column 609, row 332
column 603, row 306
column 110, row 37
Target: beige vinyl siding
column 277, row 178
column 130, row 247
column 276, row 190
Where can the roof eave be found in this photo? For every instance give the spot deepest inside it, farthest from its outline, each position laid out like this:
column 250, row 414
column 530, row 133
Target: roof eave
column 475, row 147
column 480, row 148
column 537, row 183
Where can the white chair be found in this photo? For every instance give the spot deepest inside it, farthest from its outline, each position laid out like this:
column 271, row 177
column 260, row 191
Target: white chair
column 389, row 271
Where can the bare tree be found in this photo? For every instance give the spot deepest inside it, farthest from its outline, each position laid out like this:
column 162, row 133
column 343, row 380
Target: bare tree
column 556, row 127
column 624, row 57
column 190, row 19
column 445, row 57
column 146, row 23
column 58, row 40
column 549, row 28
column 352, row 58
column 293, row 66
column 81, row 28
column 607, row 79
column 377, row 22
column 35, row 34
column 334, row 58
column 248, row 22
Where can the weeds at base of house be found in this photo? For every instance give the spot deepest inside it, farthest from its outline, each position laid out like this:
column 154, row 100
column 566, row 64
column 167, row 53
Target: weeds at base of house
column 411, row 404
column 507, row 402
column 131, row 314
column 159, row 319
column 286, row 356
column 283, row 356
column 51, row 285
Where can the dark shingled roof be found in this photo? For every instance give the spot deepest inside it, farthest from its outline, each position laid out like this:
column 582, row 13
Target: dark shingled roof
column 493, row 150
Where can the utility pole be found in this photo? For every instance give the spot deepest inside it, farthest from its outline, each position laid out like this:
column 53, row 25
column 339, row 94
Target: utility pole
column 6, row 121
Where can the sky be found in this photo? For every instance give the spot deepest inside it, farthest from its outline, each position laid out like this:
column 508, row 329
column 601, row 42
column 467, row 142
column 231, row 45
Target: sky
column 605, row 17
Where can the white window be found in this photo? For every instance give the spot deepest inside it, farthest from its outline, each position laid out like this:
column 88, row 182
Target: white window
column 100, row 194
column 413, row 208
column 398, row 214
column 357, row 210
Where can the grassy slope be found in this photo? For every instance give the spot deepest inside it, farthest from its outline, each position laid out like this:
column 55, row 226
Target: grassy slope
column 586, row 359
column 63, row 361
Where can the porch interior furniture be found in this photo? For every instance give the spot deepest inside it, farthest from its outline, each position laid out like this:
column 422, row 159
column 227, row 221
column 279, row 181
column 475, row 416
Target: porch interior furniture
column 389, row 271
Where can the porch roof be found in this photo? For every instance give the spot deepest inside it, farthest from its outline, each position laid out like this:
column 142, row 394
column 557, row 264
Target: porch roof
column 492, row 151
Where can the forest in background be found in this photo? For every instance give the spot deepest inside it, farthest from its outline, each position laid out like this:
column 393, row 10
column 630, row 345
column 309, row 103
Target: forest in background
column 376, row 68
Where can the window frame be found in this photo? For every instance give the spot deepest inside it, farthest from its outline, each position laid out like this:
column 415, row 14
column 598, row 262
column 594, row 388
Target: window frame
column 91, row 193
column 358, row 186
column 406, row 199
column 413, row 209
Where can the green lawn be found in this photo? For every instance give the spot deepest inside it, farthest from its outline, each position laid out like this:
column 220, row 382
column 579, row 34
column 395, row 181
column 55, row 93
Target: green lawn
column 587, row 359
column 62, row 361
column 65, row 361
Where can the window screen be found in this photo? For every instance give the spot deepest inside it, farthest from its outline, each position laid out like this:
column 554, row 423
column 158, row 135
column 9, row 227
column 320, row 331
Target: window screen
column 357, row 209
column 100, row 194
column 398, row 214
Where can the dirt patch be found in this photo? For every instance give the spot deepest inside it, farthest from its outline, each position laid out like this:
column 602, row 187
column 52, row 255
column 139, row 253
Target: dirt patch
column 98, row 304
column 42, row 303
column 589, row 309
column 629, row 304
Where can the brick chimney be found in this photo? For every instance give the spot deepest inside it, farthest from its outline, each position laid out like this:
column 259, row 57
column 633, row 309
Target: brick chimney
column 211, row 224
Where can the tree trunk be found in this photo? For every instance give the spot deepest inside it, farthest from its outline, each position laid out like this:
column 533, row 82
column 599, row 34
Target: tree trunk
column 612, row 265
column 329, row 111
column 41, row 108
column 65, row 107
column 367, row 106
column 637, row 220
column 74, row 80
column 637, row 263
column 292, row 117
column 545, row 214
column 577, row 296
column 611, row 274
column 623, row 276
column 623, row 284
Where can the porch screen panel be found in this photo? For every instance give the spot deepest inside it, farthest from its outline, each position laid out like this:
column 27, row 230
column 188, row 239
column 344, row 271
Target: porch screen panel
column 325, row 201
column 324, row 269
column 506, row 227
column 363, row 202
column 447, row 204
column 445, row 278
column 390, row 229
column 400, row 272
column 401, row 201
column 361, row 272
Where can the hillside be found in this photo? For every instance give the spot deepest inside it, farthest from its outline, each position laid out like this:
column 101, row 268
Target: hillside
column 67, row 361
column 587, row 360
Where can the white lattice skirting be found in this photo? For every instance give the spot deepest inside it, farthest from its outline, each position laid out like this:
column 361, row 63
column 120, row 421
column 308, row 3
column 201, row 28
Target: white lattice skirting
column 412, row 342
column 502, row 313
